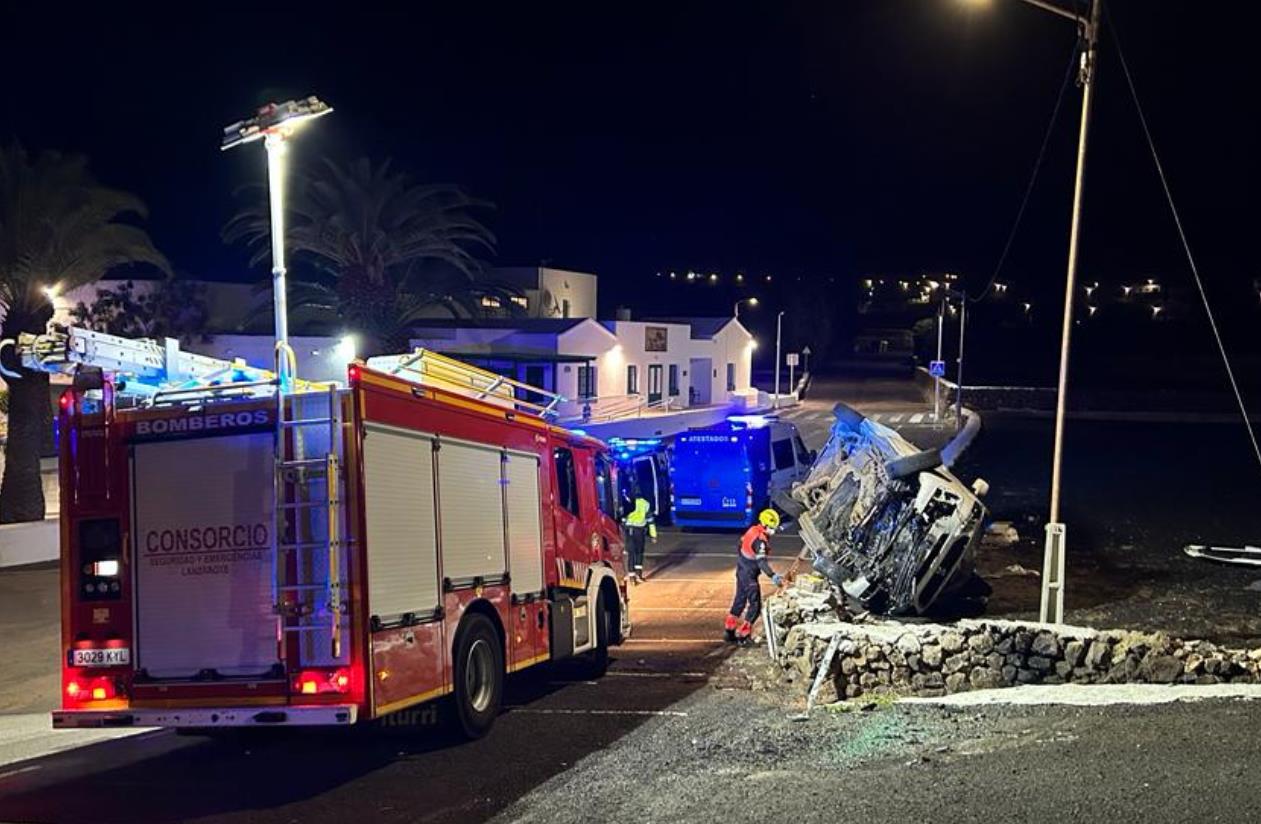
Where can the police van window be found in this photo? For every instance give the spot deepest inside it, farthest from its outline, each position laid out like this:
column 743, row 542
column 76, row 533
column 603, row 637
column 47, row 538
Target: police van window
column 566, row 479
column 604, row 487
column 783, row 452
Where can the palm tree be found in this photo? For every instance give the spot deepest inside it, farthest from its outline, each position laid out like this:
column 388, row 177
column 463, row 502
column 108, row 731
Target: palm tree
column 381, row 250
column 59, row 228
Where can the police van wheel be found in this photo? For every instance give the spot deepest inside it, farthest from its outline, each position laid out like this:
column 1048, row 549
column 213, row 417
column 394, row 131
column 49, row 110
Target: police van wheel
column 479, row 675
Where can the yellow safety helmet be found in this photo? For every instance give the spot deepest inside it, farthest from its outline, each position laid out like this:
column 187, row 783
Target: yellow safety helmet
column 768, row 518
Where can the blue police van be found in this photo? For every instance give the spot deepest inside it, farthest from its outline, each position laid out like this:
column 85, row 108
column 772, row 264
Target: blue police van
column 723, row 475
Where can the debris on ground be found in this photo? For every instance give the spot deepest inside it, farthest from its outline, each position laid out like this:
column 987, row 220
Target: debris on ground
column 888, row 526
column 1000, row 534
column 831, row 657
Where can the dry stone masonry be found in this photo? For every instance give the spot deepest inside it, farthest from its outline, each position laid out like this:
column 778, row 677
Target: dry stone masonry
column 891, row 657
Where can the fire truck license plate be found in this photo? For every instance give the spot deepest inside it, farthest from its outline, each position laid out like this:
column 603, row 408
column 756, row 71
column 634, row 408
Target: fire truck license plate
column 116, row 657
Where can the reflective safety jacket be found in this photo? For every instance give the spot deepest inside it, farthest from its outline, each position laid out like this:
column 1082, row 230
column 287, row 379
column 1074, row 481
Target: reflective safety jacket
column 755, row 545
column 641, row 517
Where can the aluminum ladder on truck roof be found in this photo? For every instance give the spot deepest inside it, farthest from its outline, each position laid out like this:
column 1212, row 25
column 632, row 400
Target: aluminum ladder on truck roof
column 152, row 371
column 430, row 368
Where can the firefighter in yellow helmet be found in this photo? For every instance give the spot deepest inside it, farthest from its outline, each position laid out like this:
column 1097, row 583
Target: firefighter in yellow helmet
column 751, row 563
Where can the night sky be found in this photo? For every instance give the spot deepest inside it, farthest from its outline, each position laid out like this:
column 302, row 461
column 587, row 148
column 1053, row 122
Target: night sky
column 811, row 139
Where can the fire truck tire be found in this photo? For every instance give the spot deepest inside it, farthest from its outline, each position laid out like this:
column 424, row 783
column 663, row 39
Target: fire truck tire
column 479, row 675
column 597, row 660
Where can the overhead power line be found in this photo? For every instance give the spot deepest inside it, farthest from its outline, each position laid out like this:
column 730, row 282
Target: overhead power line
column 1182, row 235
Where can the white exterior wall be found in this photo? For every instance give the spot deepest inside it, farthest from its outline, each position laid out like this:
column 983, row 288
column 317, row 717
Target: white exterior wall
column 558, row 285
column 632, row 336
column 592, row 340
column 732, row 344
column 319, row 358
column 547, row 289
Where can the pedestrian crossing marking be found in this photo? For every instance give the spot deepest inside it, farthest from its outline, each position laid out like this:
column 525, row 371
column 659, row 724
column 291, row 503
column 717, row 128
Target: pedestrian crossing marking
column 917, row 418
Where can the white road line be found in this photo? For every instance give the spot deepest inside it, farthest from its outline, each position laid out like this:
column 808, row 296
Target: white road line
column 664, row 579
column 665, row 713
column 674, row 641
column 629, row 674
column 917, row 417
column 894, row 418
column 634, row 608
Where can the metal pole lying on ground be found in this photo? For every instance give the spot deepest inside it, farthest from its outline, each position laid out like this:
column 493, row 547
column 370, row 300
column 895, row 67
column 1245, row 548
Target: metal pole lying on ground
column 1052, row 606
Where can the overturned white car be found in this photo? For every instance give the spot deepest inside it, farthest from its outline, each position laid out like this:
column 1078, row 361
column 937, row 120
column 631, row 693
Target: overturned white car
column 886, row 523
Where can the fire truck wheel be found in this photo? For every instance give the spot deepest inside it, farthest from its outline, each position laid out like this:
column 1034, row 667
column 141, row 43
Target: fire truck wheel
column 479, row 675
column 597, row 660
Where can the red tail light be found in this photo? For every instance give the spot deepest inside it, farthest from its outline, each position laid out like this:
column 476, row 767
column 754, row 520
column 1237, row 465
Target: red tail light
column 80, row 690
column 66, row 399
column 353, row 373
column 322, row 682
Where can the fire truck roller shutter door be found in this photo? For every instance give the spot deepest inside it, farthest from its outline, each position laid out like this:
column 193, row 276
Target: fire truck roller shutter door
column 471, row 500
column 400, row 513
column 525, row 537
column 204, row 586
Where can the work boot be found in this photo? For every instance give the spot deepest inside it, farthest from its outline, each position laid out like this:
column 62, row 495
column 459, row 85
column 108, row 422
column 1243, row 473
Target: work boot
column 730, row 635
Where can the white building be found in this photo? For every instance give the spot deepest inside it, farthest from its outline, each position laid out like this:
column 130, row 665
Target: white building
column 665, row 364
column 548, row 292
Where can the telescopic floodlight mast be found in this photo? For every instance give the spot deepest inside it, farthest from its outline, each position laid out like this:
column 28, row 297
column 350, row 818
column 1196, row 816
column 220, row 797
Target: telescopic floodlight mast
column 275, row 123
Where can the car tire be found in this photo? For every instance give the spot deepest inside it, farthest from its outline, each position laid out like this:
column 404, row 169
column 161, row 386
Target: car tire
column 479, row 675
column 904, row 467
column 787, row 504
column 848, row 415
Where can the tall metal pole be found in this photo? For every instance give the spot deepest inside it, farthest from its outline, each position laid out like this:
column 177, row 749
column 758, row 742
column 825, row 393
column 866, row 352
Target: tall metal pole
column 779, row 325
column 275, row 145
column 1052, row 606
column 941, row 311
column 963, row 323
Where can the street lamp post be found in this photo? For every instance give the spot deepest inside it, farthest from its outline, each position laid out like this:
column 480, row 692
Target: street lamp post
column 779, row 327
column 736, row 309
column 963, row 324
column 1052, row 605
column 275, row 123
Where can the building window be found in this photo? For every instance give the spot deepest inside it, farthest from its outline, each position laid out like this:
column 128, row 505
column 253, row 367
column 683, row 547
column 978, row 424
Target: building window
column 566, row 479
column 731, row 377
column 674, row 379
column 521, row 301
column 632, row 380
column 586, row 381
column 490, row 302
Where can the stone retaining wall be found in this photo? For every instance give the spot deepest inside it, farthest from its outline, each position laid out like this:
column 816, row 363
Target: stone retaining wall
column 933, row 659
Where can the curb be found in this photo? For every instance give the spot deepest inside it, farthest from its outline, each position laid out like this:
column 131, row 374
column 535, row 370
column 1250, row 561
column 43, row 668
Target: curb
column 961, row 441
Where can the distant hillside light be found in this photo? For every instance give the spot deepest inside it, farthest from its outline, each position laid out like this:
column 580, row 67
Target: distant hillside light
column 713, row 278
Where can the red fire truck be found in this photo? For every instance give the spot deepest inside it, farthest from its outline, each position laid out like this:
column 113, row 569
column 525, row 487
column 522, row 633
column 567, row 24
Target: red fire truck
column 243, row 549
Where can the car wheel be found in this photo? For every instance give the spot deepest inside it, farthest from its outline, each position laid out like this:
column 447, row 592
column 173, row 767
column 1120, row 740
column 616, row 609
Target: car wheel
column 848, row 415
column 479, row 675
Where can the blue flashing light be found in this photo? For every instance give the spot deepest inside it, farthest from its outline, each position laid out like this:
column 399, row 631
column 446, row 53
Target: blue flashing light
column 751, row 421
column 581, row 432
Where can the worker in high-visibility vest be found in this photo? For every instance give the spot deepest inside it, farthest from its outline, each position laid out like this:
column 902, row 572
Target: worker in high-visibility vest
column 640, row 525
column 751, row 563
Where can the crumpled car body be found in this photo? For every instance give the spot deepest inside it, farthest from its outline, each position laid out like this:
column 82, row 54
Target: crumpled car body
column 885, row 522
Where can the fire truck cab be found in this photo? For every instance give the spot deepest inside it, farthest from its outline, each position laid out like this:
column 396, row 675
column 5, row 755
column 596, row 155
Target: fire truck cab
column 237, row 555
